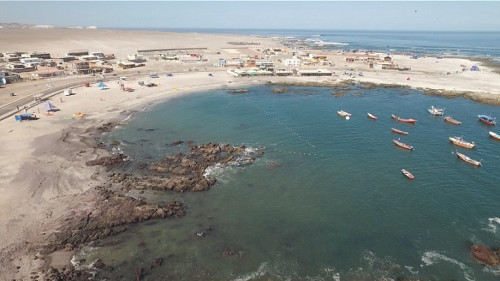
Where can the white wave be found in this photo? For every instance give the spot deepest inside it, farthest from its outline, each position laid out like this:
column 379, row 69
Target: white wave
column 331, row 273
column 320, row 42
column 493, row 224
column 430, row 258
column 214, row 171
column 261, row 271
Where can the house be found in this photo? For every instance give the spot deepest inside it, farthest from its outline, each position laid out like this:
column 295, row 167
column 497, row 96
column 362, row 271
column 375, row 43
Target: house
column 135, row 58
column 292, row 62
column 283, row 72
column 46, row 72
column 80, row 66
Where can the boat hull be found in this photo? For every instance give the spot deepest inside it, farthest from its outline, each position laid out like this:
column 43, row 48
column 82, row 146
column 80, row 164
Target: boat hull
column 495, row 136
column 403, row 145
column 371, row 116
column 460, row 142
column 396, row 131
column 407, row 174
column 468, row 160
column 487, row 120
column 409, row 121
column 452, row 121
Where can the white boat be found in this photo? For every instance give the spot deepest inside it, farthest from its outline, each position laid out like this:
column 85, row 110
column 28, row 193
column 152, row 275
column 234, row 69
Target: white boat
column 494, row 135
column 343, row 113
column 436, row 111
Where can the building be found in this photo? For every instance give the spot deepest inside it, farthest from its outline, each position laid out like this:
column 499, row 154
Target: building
column 80, row 67
column 315, row 72
column 10, row 77
column 292, row 62
column 47, row 72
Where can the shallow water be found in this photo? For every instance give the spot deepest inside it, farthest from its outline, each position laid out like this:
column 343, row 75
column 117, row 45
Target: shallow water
column 336, row 207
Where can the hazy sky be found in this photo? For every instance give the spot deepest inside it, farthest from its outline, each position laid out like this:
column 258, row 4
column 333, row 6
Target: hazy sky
column 356, row 15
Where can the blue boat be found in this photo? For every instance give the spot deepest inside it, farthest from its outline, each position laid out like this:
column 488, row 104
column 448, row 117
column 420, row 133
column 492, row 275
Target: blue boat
column 490, row 121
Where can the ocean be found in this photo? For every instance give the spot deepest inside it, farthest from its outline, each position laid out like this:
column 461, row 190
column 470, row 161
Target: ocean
column 327, row 200
column 445, row 43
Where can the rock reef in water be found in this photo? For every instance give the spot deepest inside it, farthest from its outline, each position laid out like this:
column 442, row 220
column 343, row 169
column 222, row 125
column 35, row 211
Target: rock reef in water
column 187, row 172
column 110, row 215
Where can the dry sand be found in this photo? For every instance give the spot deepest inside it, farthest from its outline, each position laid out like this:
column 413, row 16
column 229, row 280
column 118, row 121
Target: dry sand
column 43, row 177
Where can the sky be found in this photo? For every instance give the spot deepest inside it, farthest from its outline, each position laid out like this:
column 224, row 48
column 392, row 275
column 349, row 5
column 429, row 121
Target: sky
column 325, row 15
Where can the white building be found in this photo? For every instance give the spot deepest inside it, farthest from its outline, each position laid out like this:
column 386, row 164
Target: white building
column 30, row 61
column 292, row 62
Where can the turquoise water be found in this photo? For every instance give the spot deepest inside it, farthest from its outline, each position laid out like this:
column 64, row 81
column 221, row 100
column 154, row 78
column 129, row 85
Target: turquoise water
column 336, row 208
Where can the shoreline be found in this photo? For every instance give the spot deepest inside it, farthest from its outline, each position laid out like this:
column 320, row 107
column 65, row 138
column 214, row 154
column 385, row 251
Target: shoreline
column 46, row 172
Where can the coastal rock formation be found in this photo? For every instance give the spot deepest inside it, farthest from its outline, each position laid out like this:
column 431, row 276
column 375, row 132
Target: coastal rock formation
column 107, row 161
column 279, row 90
column 486, row 255
column 186, row 172
column 233, row 253
column 110, row 215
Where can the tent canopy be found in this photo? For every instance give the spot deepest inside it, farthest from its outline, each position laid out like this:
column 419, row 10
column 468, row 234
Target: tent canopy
column 102, row 85
column 48, row 106
column 474, row 68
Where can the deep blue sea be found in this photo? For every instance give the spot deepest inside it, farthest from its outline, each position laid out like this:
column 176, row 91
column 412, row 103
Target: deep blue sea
column 448, row 43
column 337, row 206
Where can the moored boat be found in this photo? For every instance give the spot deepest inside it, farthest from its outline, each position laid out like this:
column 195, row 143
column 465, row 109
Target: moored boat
column 409, row 121
column 402, row 145
column 468, row 159
column 407, row 174
column 452, row 121
column 371, row 116
column 459, row 141
column 436, row 111
column 343, row 113
column 490, row 121
column 394, row 130
column 494, row 135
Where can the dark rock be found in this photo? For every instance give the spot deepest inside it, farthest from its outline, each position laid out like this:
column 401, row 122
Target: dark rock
column 139, row 273
column 177, row 142
column 107, row 161
column 233, row 253
column 486, row 255
column 110, row 216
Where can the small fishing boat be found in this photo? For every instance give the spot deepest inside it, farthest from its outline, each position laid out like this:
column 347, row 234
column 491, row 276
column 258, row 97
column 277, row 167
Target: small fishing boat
column 343, row 113
column 371, row 116
column 409, row 121
column 402, row 145
column 436, row 111
column 407, row 174
column 459, row 141
column 490, row 121
column 396, row 131
column 468, row 159
column 495, row 135
column 452, row 121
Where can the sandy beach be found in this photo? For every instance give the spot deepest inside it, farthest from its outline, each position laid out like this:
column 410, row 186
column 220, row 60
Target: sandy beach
column 44, row 181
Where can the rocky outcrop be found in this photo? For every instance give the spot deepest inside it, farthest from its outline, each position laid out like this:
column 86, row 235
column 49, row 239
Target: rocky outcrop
column 486, row 255
column 107, row 161
column 186, row 172
column 111, row 214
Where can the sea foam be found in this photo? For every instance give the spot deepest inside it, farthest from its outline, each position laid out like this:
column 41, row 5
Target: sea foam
column 431, row 257
column 493, row 224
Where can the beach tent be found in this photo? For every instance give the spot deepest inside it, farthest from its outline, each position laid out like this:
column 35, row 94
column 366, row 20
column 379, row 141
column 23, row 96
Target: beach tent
column 102, row 85
column 474, row 68
column 415, row 56
column 439, row 57
column 49, row 107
